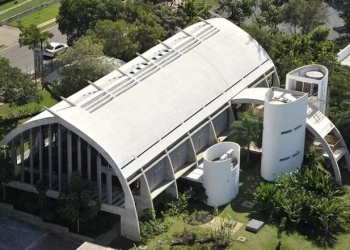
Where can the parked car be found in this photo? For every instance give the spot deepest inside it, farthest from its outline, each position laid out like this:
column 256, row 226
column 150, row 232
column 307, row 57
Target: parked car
column 53, row 49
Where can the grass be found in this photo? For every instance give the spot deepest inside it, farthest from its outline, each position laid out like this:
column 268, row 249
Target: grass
column 9, row 4
column 264, row 239
column 47, row 101
column 5, row 110
column 21, row 9
column 38, row 17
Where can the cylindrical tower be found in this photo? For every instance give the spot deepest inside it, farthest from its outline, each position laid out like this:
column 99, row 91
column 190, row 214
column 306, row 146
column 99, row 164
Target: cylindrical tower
column 221, row 164
column 284, row 132
column 311, row 79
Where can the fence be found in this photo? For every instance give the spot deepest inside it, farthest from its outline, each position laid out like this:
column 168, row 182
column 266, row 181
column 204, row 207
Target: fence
column 24, row 9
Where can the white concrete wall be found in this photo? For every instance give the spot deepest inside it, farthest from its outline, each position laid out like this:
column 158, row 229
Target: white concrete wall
column 343, row 53
column 220, row 180
column 280, row 118
column 299, row 74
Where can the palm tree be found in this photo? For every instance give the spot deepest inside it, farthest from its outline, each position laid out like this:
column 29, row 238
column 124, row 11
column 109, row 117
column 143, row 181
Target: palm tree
column 246, row 130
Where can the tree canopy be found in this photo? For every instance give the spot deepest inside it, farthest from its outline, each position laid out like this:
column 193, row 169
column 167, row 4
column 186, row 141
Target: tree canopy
column 83, row 62
column 32, row 36
column 304, row 14
column 247, row 129
column 75, row 202
column 16, row 87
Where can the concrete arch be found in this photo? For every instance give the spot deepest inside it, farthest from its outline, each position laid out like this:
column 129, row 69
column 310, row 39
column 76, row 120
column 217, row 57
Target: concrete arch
column 257, row 96
column 129, row 225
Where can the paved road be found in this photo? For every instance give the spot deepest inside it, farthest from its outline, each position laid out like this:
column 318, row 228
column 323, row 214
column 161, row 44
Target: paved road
column 22, row 57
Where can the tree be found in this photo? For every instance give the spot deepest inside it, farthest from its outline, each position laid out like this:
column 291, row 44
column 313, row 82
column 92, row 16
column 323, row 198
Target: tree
column 345, row 13
column 75, row 202
column 270, row 13
column 32, row 36
column 6, row 168
column 75, row 17
column 84, row 61
column 237, row 10
column 246, row 130
column 169, row 18
column 119, row 38
column 16, row 87
column 304, row 14
column 193, row 9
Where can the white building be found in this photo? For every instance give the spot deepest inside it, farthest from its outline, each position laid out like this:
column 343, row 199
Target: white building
column 284, row 132
column 221, row 165
column 137, row 130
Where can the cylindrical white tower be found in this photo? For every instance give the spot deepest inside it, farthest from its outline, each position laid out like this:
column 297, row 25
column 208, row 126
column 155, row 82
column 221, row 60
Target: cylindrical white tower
column 221, row 163
column 311, row 79
column 284, row 132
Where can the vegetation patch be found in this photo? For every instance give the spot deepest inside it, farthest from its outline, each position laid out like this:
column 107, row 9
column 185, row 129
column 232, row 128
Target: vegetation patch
column 308, row 200
column 198, row 218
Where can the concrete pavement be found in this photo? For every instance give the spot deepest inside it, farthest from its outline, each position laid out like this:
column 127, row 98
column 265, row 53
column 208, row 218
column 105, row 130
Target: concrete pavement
column 8, row 35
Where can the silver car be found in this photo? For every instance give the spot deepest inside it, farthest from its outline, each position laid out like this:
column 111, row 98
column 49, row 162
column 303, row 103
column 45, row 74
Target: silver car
column 53, row 49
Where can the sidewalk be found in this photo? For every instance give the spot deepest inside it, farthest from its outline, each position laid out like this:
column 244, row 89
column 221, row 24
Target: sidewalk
column 9, row 35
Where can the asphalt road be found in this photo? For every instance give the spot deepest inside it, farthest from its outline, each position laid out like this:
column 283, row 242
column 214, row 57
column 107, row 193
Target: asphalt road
column 23, row 58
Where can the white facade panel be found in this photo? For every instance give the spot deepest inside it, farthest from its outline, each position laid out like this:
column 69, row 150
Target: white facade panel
column 283, row 136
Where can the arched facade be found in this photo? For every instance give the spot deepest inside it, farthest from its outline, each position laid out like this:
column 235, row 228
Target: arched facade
column 137, row 130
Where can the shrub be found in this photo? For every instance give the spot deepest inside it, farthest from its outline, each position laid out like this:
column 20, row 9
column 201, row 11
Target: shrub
column 198, row 218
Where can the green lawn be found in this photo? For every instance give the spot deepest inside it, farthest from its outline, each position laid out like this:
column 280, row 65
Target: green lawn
column 22, row 8
column 266, row 239
column 9, row 4
column 39, row 16
column 5, row 110
column 47, row 101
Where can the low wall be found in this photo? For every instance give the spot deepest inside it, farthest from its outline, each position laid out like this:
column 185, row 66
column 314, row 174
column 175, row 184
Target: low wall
column 8, row 210
column 343, row 53
column 24, row 13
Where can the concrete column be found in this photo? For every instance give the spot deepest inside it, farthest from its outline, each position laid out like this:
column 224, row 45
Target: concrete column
column 191, row 154
column 69, row 154
column 79, row 153
column 109, row 185
column 59, row 155
column 98, row 176
column 275, row 79
column 22, row 157
column 31, row 146
column 231, row 116
column 89, row 162
column 41, row 154
column 212, row 134
column 13, row 154
column 50, row 155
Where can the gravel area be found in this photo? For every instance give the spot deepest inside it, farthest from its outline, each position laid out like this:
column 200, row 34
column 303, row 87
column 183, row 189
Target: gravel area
column 19, row 235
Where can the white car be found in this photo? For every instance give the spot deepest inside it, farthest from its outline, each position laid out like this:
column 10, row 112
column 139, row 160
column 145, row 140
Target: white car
column 53, row 49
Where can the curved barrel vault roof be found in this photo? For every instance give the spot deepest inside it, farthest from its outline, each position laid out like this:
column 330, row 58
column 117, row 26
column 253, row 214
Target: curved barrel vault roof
column 136, row 112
